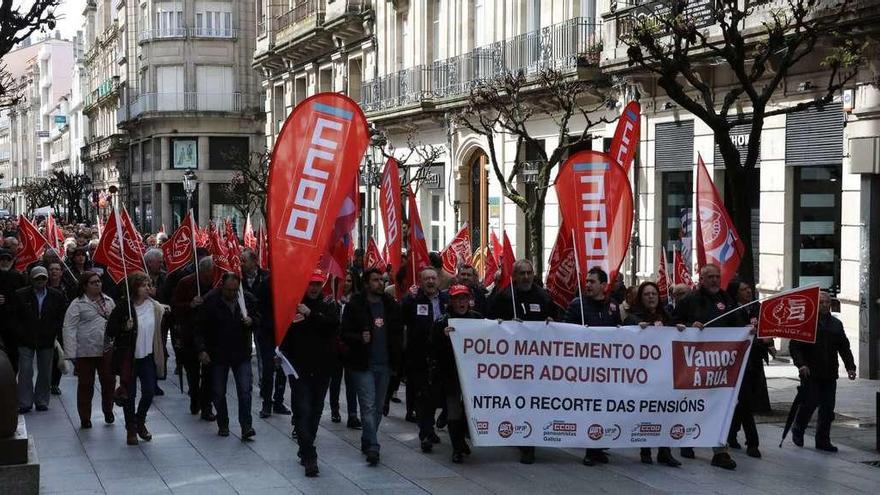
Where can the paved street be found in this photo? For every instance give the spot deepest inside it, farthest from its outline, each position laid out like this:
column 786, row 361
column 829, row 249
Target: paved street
column 187, row 456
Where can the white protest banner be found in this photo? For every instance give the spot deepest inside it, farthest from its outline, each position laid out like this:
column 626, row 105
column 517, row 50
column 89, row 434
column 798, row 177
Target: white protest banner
column 563, row 385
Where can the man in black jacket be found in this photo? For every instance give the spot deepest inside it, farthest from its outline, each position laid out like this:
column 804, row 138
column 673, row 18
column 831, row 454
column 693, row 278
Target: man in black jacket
column 817, row 365
column 419, row 312
column 39, row 317
column 467, row 276
column 373, row 333
column 699, row 307
column 10, row 281
column 223, row 339
column 310, row 346
column 444, row 371
column 594, row 309
column 532, row 304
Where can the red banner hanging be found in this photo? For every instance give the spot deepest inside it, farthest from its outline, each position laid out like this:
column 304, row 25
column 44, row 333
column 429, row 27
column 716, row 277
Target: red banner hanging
column 662, row 277
column 109, row 253
column 626, row 137
column 458, row 251
column 392, row 214
column 791, row 315
column 596, row 201
column 562, row 274
column 178, row 250
column 315, row 160
column 507, row 261
column 31, row 242
column 717, row 239
column 373, row 258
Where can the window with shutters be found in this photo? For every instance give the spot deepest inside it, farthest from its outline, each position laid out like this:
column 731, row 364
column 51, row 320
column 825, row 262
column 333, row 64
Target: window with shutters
column 816, row 257
column 169, row 88
column 213, row 19
column 214, row 86
column 168, row 20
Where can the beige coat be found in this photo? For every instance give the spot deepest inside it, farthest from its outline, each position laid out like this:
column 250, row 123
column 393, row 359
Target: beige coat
column 84, row 326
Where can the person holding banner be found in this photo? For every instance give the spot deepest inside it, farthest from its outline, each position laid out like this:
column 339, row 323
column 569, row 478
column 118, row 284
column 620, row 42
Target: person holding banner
column 373, row 333
column 310, row 346
column 467, row 276
column 444, row 371
column 648, row 312
column 709, row 304
column 594, row 309
column 522, row 300
column 135, row 328
column 223, row 339
column 818, row 368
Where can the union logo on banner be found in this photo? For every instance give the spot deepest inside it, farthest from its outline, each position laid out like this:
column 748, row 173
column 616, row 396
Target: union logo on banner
column 791, row 315
column 720, row 242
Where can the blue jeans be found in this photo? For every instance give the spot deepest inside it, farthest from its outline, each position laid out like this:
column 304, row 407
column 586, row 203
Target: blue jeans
column 28, row 393
column 309, row 391
column 371, row 386
column 243, row 377
column 145, row 372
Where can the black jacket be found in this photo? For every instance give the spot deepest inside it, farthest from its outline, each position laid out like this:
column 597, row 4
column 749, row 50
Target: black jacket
column 310, row 345
column 702, row 306
column 35, row 328
column 531, row 305
column 220, row 331
column 10, row 281
column 604, row 313
column 357, row 318
column 444, row 370
column 417, row 313
column 821, row 357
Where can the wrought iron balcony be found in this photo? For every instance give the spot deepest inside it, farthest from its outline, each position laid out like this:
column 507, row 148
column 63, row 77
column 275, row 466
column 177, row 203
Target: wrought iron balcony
column 106, row 89
column 186, row 102
column 563, row 46
column 162, row 33
column 213, row 32
column 304, row 16
column 103, row 147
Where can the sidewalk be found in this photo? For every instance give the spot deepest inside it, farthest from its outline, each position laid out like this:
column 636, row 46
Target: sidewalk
column 187, row 456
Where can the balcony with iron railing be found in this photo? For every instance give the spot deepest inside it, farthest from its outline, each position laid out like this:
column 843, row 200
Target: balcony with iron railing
column 148, row 103
column 105, row 90
column 97, row 148
column 564, row 46
column 167, row 33
column 303, row 17
column 214, row 32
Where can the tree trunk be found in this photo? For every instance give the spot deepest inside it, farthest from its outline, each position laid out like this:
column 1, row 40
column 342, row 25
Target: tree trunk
column 743, row 196
column 535, row 230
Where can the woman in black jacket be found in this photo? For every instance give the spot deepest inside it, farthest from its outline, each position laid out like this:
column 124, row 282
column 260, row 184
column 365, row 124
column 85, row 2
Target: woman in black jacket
column 648, row 312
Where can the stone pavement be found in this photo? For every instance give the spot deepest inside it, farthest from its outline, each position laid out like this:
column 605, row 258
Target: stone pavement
column 187, row 456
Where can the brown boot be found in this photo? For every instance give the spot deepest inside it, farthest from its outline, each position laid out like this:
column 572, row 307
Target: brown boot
column 131, row 437
column 142, row 431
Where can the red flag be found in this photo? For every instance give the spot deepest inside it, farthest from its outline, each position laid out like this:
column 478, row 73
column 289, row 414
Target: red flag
column 373, row 258
column 626, row 137
column 596, row 201
column 263, row 248
column 250, row 240
column 55, row 236
column 487, row 261
column 562, row 274
column 341, row 244
column 218, row 249
column 418, row 249
column 31, row 242
column 109, row 253
column 314, row 162
column 162, row 229
column 202, row 238
column 507, row 260
column 179, row 249
column 791, row 315
column 392, row 213
column 233, row 248
column 458, row 251
column 681, row 273
column 717, row 239
column 662, row 277
column 497, row 248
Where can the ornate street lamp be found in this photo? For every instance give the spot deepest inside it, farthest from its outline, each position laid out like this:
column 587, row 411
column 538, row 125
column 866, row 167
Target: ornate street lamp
column 189, row 186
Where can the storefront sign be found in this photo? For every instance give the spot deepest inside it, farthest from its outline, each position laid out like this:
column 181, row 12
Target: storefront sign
column 431, row 177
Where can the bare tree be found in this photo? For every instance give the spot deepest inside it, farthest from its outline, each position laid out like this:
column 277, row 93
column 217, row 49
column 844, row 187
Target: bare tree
column 71, row 188
column 250, row 181
column 508, row 106
column 676, row 45
column 40, row 191
column 17, row 25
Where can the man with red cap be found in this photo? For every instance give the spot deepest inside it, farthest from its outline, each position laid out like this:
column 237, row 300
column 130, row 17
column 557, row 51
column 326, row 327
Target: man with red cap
column 444, row 373
column 310, row 346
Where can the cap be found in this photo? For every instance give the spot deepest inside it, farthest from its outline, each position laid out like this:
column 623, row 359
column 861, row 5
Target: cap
column 459, row 290
column 318, row 276
column 39, row 271
column 5, row 253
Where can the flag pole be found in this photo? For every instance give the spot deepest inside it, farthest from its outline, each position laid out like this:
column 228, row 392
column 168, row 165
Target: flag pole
column 119, row 228
column 513, row 297
column 192, row 228
column 759, row 300
column 577, row 267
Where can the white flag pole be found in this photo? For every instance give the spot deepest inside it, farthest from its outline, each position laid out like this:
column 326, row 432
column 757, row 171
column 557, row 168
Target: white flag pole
column 577, row 267
column 192, row 228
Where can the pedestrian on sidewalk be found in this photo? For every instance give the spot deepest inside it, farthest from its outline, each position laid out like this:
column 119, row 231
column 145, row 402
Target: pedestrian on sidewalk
column 223, row 338
column 818, row 368
column 84, row 327
column 135, row 329
column 351, row 286
column 373, row 332
column 310, row 346
column 39, row 317
column 444, row 372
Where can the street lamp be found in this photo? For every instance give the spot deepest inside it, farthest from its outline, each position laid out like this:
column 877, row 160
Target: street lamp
column 189, row 186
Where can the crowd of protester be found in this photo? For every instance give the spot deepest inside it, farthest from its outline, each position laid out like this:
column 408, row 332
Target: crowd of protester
column 368, row 337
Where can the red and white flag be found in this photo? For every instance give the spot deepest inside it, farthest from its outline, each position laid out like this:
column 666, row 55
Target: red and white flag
column 418, row 249
column 55, row 236
column 681, row 272
column 179, row 249
column 340, row 250
column 373, row 258
column 717, row 239
column 485, row 261
column 596, row 202
column 562, row 273
column 626, row 137
column 662, row 276
column 250, row 240
column 458, row 251
column 315, row 161
column 120, row 261
column 31, row 242
column 217, row 249
column 791, row 315
column 392, row 214
column 233, row 248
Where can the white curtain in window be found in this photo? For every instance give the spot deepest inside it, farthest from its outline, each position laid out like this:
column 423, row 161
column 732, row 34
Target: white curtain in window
column 214, row 19
column 214, row 87
column 169, row 84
